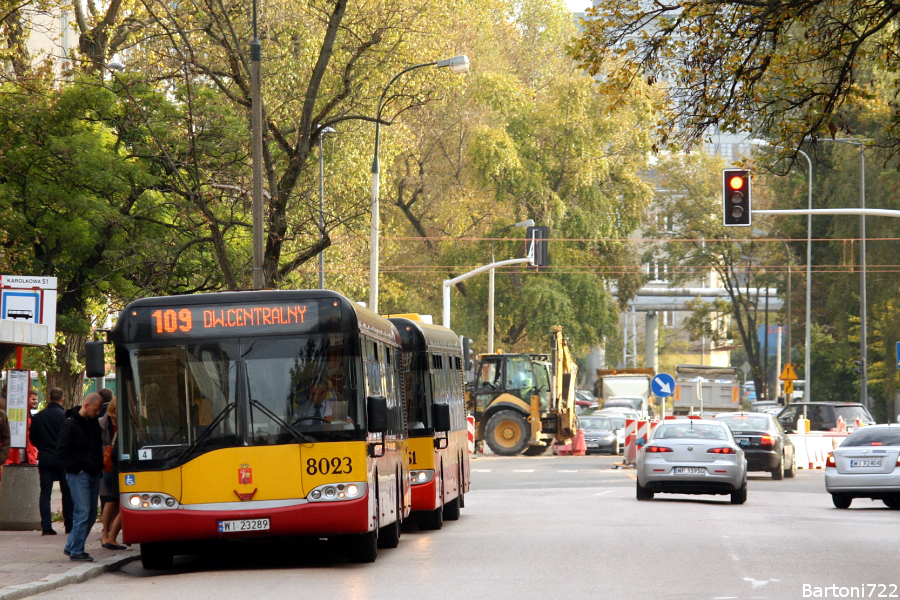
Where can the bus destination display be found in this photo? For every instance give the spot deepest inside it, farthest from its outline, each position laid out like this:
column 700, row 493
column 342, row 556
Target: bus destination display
column 224, row 319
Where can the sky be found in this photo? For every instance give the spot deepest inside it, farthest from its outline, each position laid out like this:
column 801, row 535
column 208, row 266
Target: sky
column 578, row 5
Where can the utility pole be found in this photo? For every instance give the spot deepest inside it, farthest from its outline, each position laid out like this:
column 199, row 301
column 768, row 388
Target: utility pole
column 256, row 139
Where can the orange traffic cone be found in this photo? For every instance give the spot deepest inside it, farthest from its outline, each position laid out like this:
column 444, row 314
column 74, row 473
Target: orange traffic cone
column 579, row 446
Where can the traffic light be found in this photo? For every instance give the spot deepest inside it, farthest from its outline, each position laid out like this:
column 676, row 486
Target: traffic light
column 858, row 367
column 467, row 353
column 538, row 237
column 736, row 209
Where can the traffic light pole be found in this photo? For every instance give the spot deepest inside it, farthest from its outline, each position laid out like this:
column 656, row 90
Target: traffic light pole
column 862, row 212
column 448, row 283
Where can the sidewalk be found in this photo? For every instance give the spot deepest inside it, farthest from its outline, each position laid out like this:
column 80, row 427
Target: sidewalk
column 31, row 563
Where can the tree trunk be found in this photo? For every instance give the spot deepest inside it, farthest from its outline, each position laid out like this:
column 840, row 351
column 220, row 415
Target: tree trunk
column 69, row 375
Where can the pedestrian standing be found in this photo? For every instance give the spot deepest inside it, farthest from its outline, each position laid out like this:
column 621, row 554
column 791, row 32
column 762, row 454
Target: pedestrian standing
column 45, row 428
column 110, row 515
column 80, row 450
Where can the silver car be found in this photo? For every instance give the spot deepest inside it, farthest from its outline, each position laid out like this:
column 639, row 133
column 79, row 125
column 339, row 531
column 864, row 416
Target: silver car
column 867, row 465
column 691, row 456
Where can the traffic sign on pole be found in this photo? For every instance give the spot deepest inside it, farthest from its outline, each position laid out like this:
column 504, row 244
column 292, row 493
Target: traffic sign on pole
column 663, row 385
column 788, row 374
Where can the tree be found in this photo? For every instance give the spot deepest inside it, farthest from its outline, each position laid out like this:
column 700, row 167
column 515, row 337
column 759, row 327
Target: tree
column 780, row 70
column 77, row 204
column 525, row 136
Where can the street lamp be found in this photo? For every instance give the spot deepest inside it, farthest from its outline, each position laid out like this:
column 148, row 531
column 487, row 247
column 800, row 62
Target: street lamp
column 490, row 327
column 322, row 205
column 807, row 364
column 457, row 64
column 863, row 343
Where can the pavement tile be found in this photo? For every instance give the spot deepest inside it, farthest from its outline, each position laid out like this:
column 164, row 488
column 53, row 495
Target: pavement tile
column 31, row 564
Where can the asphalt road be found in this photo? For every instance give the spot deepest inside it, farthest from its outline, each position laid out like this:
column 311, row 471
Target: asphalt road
column 569, row 527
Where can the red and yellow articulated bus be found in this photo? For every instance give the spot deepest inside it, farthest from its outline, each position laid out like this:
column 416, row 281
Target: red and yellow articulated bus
column 256, row 414
column 434, row 392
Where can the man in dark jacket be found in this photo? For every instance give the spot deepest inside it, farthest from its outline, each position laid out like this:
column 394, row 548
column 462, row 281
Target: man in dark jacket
column 45, row 427
column 80, row 451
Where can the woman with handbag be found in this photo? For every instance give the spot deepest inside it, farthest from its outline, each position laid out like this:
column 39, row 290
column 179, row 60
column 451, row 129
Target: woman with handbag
column 110, row 517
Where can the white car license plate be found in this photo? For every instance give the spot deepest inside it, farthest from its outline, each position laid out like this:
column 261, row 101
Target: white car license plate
column 242, row 525
column 593, row 445
column 868, row 462
column 689, row 470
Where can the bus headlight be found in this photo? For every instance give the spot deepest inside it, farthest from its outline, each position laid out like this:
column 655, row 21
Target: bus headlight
column 337, row 491
column 420, row 477
column 148, row 501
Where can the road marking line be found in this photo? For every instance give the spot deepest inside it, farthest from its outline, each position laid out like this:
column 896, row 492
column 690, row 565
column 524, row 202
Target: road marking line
column 481, row 470
column 605, row 493
column 523, row 470
column 567, row 471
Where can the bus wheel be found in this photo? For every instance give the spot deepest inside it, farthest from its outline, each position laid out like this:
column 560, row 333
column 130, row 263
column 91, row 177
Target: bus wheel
column 451, row 510
column 389, row 535
column 156, row 556
column 507, row 433
column 363, row 548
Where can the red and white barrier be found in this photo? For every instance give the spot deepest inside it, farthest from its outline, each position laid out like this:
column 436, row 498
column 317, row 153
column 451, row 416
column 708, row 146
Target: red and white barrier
column 470, row 425
column 630, row 448
column 841, row 425
column 811, row 449
column 634, row 430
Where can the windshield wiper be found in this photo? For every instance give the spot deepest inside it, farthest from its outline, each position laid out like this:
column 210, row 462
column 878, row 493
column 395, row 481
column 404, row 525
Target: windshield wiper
column 296, row 434
column 206, row 433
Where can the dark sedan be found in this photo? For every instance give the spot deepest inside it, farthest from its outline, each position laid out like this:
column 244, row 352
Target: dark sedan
column 764, row 441
column 599, row 434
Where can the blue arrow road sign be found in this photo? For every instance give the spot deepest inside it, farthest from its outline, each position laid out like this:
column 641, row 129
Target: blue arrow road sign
column 663, row 385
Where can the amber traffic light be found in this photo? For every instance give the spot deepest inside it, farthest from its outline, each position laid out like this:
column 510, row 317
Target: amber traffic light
column 736, row 210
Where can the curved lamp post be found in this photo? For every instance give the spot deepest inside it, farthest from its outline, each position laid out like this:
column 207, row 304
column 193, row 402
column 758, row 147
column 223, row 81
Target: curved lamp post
column 807, row 364
column 457, row 64
column 863, row 342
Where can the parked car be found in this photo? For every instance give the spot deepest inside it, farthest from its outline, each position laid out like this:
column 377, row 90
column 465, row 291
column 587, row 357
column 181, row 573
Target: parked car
column 584, row 398
column 617, row 418
column 766, row 446
column 766, row 406
column 691, row 456
column 599, row 434
column 823, row 415
column 866, row 465
column 750, row 391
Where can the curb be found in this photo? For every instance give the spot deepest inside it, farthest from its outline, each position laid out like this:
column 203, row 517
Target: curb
column 78, row 574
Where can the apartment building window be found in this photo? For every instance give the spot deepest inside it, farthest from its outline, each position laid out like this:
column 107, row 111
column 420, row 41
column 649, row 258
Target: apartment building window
column 659, row 273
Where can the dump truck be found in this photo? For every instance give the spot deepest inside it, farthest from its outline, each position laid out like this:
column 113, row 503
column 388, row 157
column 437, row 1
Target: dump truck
column 624, row 388
column 720, row 389
column 524, row 402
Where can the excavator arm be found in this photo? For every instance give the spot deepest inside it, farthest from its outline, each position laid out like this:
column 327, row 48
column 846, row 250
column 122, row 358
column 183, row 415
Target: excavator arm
column 562, row 384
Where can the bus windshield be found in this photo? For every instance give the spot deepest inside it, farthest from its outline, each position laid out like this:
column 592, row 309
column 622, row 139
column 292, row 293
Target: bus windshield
column 183, row 400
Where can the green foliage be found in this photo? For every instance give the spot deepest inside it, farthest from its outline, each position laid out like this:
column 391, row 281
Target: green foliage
column 785, row 69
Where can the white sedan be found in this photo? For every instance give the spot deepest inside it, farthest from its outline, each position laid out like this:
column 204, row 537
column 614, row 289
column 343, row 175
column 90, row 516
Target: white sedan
column 867, row 465
column 691, row 456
